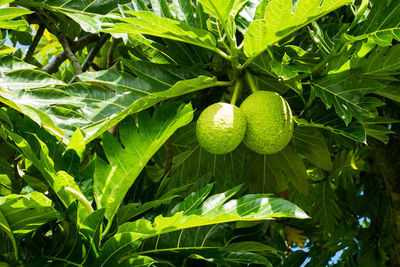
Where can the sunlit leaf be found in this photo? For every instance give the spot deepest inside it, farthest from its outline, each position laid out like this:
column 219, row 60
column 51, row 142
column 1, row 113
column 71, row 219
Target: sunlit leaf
column 140, row 140
column 283, row 17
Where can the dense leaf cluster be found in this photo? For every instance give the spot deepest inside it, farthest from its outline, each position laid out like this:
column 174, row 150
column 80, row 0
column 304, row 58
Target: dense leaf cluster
column 99, row 162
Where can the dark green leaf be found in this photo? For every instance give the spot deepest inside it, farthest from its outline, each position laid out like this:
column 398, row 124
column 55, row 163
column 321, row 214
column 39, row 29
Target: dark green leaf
column 310, row 143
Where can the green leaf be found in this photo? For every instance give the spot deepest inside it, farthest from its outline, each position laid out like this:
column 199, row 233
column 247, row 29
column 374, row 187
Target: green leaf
column 103, row 7
column 131, row 210
column 141, row 141
column 381, row 61
column 4, row 225
column 77, row 143
column 188, row 11
column 194, row 166
column 139, row 261
column 287, row 71
column 329, row 121
column 8, row 13
column 325, row 209
column 379, row 128
column 251, row 246
column 9, row 63
column 149, row 23
column 88, row 22
column 382, row 23
column 224, row 257
column 390, row 92
column 25, row 213
column 58, row 181
column 222, row 9
column 20, row 25
column 310, row 143
column 14, row 81
column 95, row 108
column 270, row 173
column 161, row 8
column 283, row 17
column 246, row 208
column 345, row 91
column 192, row 202
column 90, row 228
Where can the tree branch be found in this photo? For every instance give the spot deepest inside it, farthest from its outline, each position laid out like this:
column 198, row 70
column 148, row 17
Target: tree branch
column 110, row 53
column 34, row 43
column 92, row 54
column 70, row 54
column 53, row 66
column 64, row 42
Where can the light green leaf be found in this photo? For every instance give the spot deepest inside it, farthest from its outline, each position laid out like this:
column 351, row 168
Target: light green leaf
column 90, row 229
column 94, row 107
column 25, row 213
column 138, row 261
column 141, row 141
column 16, row 25
column 9, row 63
column 192, row 201
column 23, row 79
column 222, row 9
column 382, row 23
column 246, row 208
column 88, row 22
column 161, row 8
column 77, row 143
column 44, row 163
column 381, row 61
column 149, row 23
column 95, row 7
column 8, row 13
column 281, row 19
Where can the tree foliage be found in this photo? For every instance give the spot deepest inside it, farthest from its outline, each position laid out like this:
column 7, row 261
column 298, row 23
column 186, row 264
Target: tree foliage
column 99, row 162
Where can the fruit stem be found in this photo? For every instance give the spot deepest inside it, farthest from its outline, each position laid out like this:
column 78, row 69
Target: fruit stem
column 238, row 87
column 251, row 82
column 85, row 203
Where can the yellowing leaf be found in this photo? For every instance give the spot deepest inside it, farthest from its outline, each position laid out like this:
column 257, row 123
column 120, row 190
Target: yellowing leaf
column 294, row 236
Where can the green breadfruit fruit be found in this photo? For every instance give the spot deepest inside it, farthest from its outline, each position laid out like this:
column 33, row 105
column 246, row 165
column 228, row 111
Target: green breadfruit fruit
column 269, row 122
column 220, row 128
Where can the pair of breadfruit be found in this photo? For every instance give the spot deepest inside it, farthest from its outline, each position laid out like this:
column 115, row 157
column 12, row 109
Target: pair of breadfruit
column 263, row 122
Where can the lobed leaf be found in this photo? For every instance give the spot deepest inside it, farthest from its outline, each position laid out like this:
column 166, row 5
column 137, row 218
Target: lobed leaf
column 22, row 214
column 247, row 208
column 346, row 92
column 283, row 17
column 140, row 141
column 146, row 22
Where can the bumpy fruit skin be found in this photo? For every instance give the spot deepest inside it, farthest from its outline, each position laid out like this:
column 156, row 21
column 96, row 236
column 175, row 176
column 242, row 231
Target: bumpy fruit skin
column 220, row 128
column 269, row 122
